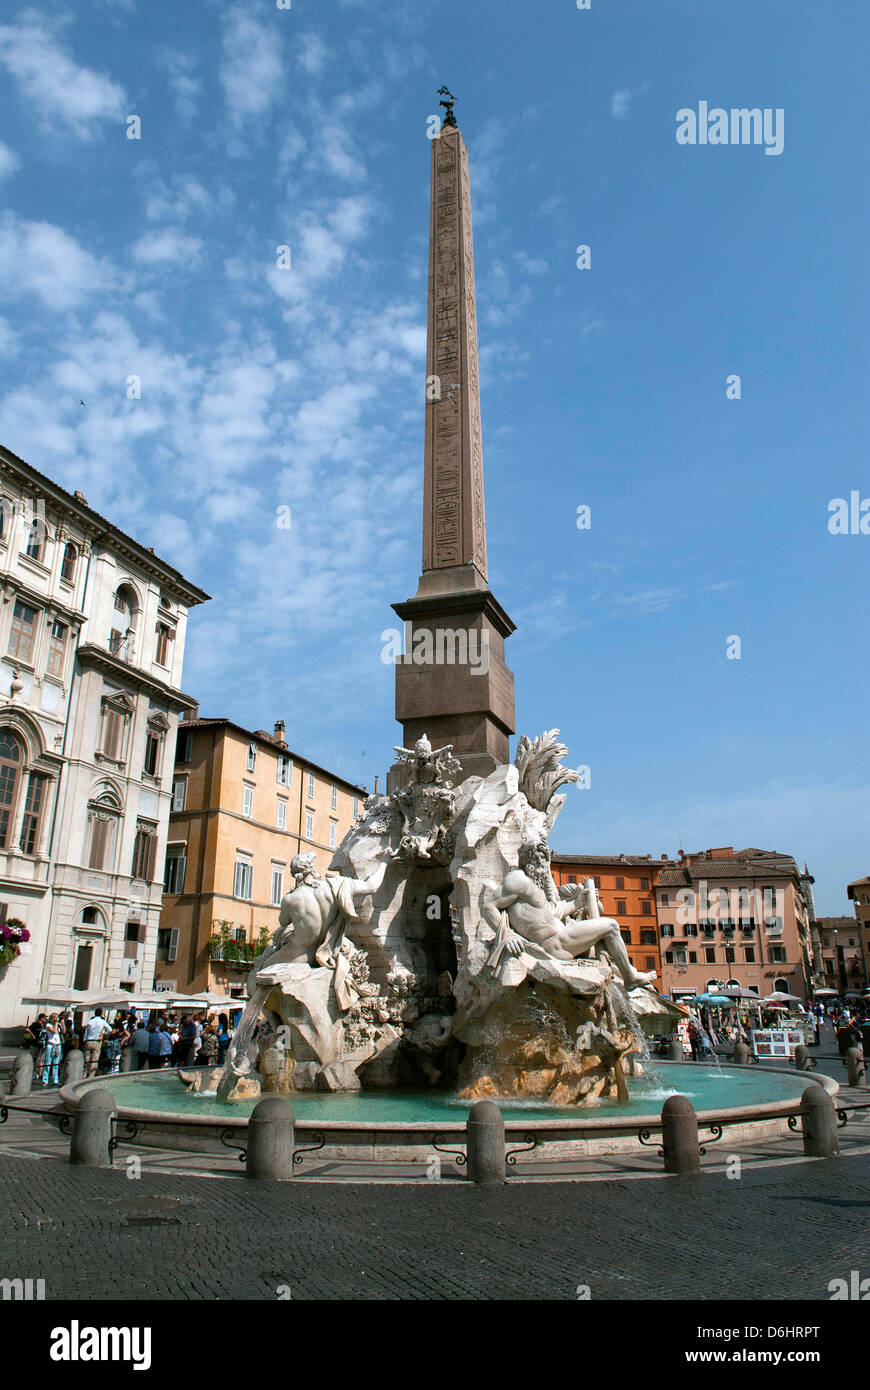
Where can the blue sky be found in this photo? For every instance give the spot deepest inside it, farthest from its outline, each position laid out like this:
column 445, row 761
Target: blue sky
column 263, row 388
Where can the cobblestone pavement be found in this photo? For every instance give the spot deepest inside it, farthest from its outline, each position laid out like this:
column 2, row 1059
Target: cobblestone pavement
column 783, row 1230
column 779, row 1232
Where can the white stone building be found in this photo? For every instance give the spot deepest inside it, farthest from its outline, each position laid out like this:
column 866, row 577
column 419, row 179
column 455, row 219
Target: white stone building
column 92, row 631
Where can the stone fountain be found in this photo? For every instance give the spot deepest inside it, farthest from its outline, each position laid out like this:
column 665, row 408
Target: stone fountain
column 437, row 951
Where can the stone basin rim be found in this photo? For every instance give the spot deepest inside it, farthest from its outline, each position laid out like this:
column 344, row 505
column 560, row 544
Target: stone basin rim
column 70, row 1096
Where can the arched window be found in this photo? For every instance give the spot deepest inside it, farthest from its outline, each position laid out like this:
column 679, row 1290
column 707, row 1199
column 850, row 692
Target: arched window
column 68, row 565
column 124, row 614
column 10, row 777
column 103, row 813
column 781, row 986
column 35, row 542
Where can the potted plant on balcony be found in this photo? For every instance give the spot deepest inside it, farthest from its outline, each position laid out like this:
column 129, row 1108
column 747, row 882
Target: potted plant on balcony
column 12, row 933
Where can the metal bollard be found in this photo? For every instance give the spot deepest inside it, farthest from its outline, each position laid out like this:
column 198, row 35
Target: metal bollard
column 72, row 1068
column 856, row 1067
column 802, row 1059
column 21, row 1079
column 675, row 1050
column 741, row 1053
column 819, row 1123
column 270, row 1141
column 484, row 1134
column 92, row 1129
column 680, row 1136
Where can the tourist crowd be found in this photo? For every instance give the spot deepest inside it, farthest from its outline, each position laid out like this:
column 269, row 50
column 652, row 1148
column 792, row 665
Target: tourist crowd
column 169, row 1040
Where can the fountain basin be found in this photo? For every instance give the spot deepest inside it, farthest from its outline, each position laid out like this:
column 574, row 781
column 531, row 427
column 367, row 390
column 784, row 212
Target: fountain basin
column 402, row 1126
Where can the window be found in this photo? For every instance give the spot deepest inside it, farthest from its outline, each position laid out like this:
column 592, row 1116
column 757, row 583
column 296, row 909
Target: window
column 114, row 724
column 777, row 953
column 625, row 933
column 665, row 899
column 243, row 879
column 333, row 797
column 693, row 957
column 333, row 834
column 277, row 884
column 649, row 963
column 311, row 786
column 179, row 793
column 102, row 829
column 620, row 883
column 35, row 539
column 56, row 649
column 248, row 801
column 21, row 635
column 620, row 906
column 144, row 851
column 184, row 746
column 749, row 952
column 282, row 813
column 710, row 955
column 644, row 883
column 646, row 908
column 730, row 955
column 165, row 635
column 175, row 868
column 123, row 619
column 669, row 957
column 28, row 841
column 597, row 882
column 285, row 770
column 68, row 564
column 647, row 938
column 309, row 826
column 153, row 743
column 167, row 945
column 667, row 929
column 252, row 757
column 10, row 766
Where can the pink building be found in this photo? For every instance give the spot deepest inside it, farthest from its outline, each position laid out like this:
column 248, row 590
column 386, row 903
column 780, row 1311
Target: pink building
column 734, row 917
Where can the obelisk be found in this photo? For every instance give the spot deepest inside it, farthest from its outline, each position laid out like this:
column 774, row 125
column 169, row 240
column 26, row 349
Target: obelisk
column 452, row 683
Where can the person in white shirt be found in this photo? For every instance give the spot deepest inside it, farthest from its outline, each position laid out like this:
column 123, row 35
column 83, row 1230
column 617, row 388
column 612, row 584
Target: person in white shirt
column 93, row 1040
column 51, row 1059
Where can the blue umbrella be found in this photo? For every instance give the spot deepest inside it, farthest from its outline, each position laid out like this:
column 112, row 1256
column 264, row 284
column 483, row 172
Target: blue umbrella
column 712, row 999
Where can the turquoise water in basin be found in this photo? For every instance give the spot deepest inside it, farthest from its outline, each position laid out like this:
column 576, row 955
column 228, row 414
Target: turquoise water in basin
column 706, row 1087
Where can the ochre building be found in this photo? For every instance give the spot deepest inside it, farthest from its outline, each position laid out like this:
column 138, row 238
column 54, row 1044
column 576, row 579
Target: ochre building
column 243, row 804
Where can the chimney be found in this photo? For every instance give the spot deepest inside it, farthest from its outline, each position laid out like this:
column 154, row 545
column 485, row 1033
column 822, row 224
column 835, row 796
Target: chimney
column 279, row 731
column 188, row 714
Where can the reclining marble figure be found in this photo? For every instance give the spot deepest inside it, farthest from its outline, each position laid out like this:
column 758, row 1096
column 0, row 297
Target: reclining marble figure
column 528, row 921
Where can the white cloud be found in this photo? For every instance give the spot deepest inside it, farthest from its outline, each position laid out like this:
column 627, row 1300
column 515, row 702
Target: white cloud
column 166, row 246
column 620, row 104
column 8, row 339
column 39, row 258
column 312, row 54
column 252, row 70
column 9, row 161
column 186, row 88
column 52, row 83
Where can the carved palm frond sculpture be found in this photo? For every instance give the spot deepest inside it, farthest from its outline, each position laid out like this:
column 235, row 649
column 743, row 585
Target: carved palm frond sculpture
column 539, row 763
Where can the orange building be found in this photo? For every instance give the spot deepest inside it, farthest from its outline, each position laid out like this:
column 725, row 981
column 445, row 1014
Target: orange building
column 243, row 804
column 626, row 886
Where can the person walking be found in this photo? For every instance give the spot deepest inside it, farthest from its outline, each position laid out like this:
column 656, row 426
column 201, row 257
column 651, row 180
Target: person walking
column 165, row 1037
column 153, row 1046
column 93, row 1040
column 187, row 1041
column 209, row 1047
column 139, row 1040
column 115, row 1041
column 51, row 1055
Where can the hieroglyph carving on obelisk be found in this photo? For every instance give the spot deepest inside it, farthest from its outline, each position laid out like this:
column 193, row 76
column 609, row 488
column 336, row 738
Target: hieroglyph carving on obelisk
column 454, row 524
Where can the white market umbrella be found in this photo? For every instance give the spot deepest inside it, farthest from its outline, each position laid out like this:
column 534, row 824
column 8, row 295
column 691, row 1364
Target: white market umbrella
column 779, row 996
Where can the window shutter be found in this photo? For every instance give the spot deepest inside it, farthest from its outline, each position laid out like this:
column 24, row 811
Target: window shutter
column 173, row 944
column 151, row 856
column 97, row 857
